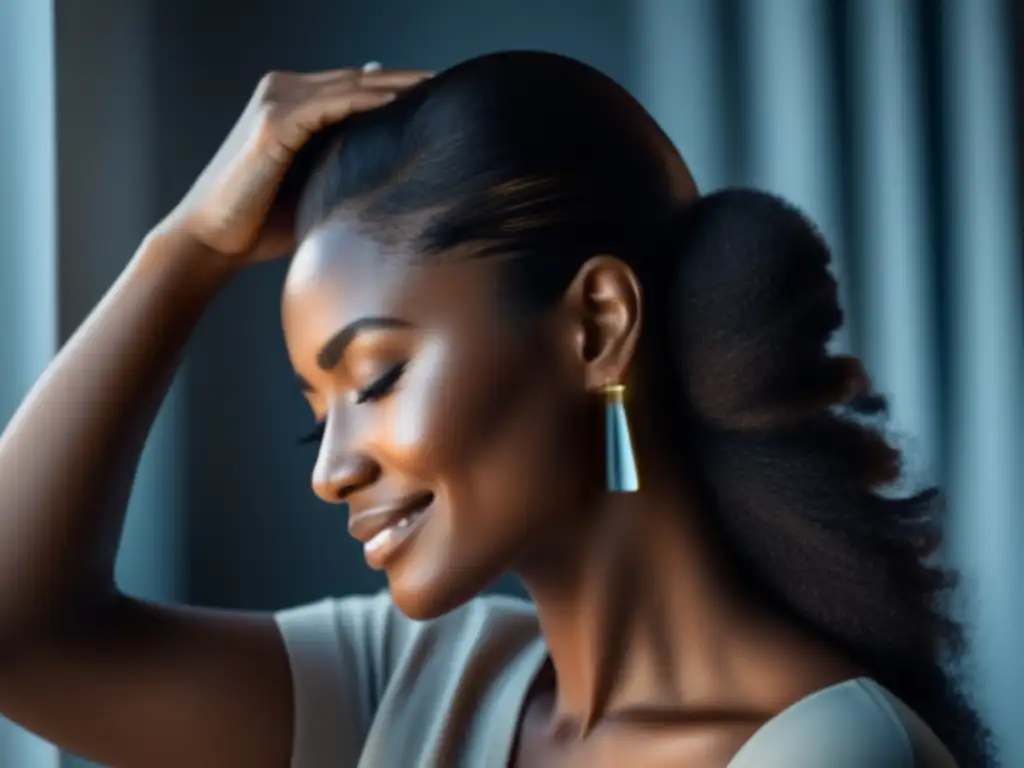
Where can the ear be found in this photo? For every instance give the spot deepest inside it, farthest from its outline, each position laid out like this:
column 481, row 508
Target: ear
column 604, row 301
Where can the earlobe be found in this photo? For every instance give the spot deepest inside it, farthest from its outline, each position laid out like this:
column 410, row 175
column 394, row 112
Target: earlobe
column 607, row 301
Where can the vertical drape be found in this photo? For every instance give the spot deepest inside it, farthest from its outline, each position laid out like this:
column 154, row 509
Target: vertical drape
column 986, row 314
column 790, row 114
column 28, row 226
column 680, row 79
column 897, row 316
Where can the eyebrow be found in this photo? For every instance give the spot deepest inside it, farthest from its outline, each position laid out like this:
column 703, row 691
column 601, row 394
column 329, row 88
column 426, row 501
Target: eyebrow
column 332, row 351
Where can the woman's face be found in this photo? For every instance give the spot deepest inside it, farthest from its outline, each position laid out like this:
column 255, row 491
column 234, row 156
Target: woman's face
column 457, row 436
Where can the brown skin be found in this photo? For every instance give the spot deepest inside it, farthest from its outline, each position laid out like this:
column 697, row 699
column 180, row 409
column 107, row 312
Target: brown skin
column 659, row 655
column 495, row 418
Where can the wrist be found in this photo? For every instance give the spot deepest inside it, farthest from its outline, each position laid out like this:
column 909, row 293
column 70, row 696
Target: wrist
column 169, row 247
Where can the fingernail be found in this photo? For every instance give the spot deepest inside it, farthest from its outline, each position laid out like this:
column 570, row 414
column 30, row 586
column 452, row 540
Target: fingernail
column 372, row 66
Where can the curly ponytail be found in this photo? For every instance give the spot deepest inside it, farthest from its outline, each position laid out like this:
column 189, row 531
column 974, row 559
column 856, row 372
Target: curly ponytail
column 793, row 474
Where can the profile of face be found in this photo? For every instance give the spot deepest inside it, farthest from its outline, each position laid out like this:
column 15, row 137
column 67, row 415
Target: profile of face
column 461, row 437
column 460, row 294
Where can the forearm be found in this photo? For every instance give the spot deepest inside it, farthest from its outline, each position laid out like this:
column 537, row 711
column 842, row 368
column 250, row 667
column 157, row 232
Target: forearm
column 68, row 456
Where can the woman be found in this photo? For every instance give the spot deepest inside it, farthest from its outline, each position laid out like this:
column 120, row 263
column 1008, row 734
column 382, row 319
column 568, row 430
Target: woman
column 485, row 261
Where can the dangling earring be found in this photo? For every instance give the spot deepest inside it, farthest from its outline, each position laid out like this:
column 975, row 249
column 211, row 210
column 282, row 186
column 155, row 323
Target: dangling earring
column 620, row 463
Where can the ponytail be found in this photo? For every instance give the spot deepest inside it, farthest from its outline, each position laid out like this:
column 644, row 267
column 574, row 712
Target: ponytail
column 772, row 426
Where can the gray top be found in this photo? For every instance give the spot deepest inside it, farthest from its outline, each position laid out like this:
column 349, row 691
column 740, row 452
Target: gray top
column 374, row 688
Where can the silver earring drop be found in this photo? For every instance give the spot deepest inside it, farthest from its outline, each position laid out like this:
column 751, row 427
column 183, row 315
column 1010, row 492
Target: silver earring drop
column 620, row 462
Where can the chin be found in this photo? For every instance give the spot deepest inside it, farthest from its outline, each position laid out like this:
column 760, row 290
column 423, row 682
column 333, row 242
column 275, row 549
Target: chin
column 423, row 594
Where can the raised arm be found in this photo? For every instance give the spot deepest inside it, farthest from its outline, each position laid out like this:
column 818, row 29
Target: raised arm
column 108, row 677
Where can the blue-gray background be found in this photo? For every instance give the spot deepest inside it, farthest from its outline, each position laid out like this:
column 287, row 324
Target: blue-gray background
column 894, row 123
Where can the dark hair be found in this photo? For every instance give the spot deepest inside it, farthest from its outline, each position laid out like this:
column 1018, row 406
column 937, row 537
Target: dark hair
column 541, row 156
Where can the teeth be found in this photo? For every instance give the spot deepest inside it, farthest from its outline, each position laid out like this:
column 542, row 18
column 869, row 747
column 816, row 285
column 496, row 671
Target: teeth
column 382, row 538
column 379, row 540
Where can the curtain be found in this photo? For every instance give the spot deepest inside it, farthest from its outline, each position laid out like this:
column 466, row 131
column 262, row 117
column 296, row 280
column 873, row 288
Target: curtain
column 891, row 123
column 28, row 294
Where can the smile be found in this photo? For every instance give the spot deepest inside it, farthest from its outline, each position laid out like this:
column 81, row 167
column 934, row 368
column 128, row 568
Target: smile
column 384, row 529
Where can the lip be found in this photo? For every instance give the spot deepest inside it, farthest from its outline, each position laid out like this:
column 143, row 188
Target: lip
column 364, row 526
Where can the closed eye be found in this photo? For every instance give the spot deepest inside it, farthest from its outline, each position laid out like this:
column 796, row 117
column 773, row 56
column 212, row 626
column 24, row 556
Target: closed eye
column 382, row 386
column 377, row 390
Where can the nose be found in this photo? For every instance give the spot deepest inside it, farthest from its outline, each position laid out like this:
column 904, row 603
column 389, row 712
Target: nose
column 336, row 478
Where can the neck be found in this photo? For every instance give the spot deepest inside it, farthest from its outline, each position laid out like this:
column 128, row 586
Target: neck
column 634, row 603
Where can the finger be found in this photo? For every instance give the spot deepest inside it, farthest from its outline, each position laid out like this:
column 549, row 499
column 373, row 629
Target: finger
column 330, row 88
column 320, row 113
column 345, row 74
column 393, row 78
column 371, row 74
column 338, row 88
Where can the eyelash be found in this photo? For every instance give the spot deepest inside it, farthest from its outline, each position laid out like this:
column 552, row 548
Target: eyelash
column 315, row 436
column 375, row 391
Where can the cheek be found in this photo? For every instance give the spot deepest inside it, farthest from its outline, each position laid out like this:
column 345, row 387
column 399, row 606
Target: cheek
column 503, row 449
column 502, row 435
column 417, row 414
column 450, row 403
column 532, row 460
